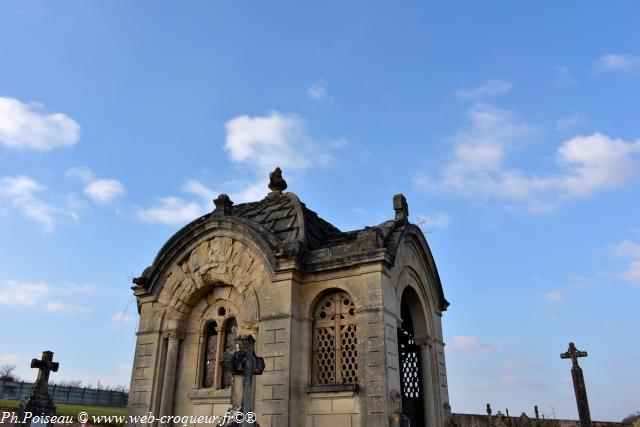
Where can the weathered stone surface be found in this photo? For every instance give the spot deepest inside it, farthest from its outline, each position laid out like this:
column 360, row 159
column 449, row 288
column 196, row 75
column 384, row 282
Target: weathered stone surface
column 38, row 402
column 267, row 264
column 579, row 386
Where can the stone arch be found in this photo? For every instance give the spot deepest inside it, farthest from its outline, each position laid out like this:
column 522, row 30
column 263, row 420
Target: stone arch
column 219, row 260
column 411, row 366
column 220, row 296
column 413, row 251
column 416, row 310
column 422, row 305
column 217, row 304
column 313, row 298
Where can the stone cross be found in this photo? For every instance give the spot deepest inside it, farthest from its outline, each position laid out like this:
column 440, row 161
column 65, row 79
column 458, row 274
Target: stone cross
column 578, row 384
column 44, row 366
column 244, row 362
column 38, row 402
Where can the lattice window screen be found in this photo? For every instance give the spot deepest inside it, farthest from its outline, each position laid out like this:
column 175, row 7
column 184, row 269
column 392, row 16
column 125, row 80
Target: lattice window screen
column 335, row 351
column 410, row 365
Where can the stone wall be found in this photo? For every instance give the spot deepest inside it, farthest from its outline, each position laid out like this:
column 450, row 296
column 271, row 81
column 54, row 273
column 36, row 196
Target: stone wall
column 333, row 409
column 222, row 267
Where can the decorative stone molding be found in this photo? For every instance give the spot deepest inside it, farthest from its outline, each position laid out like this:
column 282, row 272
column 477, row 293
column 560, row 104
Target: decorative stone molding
column 219, row 260
column 173, row 334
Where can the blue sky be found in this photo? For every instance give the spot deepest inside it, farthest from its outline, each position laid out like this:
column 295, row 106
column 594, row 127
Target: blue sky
column 511, row 127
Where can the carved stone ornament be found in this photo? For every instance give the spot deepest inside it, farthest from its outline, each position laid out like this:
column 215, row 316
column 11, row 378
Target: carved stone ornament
column 277, row 184
column 224, row 205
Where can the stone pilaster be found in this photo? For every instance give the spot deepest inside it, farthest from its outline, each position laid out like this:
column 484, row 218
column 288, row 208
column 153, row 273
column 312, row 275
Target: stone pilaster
column 166, row 401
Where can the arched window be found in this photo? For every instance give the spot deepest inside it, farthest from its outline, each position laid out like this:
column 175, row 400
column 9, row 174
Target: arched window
column 230, row 332
column 217, row 342
column 210, row 354
column 335, row 351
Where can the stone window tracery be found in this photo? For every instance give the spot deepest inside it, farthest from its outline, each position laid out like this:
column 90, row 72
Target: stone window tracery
column 230, row 333
column 335, row 351
column 210, row 354
column 219, row 337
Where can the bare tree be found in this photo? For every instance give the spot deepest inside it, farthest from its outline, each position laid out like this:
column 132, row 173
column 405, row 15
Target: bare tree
column 552, row 415
column 631, row 418
column 7, row 373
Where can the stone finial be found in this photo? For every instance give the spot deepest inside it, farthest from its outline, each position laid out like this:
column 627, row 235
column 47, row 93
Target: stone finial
column 223, row 204
column 277, row 184
column 401, row 207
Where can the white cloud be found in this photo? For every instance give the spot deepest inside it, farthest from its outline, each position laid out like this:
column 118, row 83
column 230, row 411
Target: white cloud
column 121, row 318
column 489, row 88
column 259, row 144
column 555, row 296
column 251, row 192
column 74, row 288
column 16, row 294
column 630, row 251
column 632, row 273
column 12, row 359
column 20, row 192
column 338, row 143
column 627, row 250
column 175, row 210
column 171, row 210
column 523, row 382
column 517, row 364
column 318, row 91
column 517, row 373
column 64, row 308
column 103, row 191
column 27, row 127
column 478, row 170
column 625, row 63
column 570, row 122
column 434, row 220
column 468, row 346
column 277, row 139
column 197, row 188
column 81, row 173
column 37, row 294
column 595, row 162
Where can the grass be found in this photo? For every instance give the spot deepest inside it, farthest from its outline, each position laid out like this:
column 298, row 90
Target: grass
column 69, row 409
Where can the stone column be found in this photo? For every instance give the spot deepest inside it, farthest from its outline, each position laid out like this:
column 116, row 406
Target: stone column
column 166, row 402
column 427, row 382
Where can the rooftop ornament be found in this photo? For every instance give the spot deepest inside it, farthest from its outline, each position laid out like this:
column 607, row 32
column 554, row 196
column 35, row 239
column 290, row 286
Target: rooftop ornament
column 277, row 184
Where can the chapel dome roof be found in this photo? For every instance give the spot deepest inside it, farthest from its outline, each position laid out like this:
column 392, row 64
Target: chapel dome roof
column 288, row 229
column 288, row 219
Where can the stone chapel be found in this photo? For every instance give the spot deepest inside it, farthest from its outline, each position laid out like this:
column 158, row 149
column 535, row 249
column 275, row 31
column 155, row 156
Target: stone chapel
column 348, row 322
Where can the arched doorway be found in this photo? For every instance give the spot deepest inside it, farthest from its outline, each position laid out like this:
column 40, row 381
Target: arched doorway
column 410, row 363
